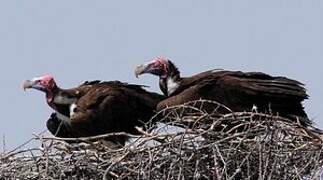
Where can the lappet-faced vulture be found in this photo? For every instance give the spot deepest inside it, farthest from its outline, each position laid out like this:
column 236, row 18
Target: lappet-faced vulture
column 240, row 91
column 96, row 107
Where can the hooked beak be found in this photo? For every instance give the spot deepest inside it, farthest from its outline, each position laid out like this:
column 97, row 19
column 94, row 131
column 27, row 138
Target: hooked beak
column 140, row 69
column 28, row 84
column 148, row 68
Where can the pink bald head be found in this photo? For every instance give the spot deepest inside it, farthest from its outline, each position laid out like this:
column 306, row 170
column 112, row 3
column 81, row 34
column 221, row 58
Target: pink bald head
column 45, row 83
column 158, row 66
column 160, row 60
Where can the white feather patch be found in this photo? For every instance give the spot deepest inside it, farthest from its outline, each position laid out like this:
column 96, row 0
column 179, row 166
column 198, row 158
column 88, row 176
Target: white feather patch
column 72, row 109
column 171, row 86
column 254, row 108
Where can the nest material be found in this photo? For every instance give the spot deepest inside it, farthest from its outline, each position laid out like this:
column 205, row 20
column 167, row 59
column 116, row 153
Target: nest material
column 230, row 145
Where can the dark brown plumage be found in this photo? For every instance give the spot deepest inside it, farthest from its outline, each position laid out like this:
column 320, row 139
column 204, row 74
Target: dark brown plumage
column 113, row 107
column 96, row 107
column 58, row 128
column 235, row 89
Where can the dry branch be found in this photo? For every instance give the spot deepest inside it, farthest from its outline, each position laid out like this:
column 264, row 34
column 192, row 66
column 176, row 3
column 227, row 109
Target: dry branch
column 231, row 145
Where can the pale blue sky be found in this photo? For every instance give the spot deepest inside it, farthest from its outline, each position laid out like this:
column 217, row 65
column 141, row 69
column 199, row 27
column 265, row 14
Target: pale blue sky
column 86, row 40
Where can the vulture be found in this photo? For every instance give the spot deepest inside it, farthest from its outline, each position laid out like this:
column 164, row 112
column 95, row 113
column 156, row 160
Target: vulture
column 239, row 91
column 96, row 107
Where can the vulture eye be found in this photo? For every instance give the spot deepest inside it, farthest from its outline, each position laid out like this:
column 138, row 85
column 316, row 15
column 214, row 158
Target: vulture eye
column 159, row 65
column 155, row 65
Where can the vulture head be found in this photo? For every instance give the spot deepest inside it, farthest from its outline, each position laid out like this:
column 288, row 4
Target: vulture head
column 158, row 66
column 44, row 83
column 166, row 71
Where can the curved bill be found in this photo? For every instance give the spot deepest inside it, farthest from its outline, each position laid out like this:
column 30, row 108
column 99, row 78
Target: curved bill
column 140, row 69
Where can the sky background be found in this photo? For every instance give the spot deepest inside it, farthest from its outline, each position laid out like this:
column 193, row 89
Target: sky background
column 87, row 40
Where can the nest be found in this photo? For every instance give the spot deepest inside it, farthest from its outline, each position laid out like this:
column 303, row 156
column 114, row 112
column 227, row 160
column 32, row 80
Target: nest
column 226, row 145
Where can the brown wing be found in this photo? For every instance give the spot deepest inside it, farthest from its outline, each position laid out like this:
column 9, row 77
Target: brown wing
column 113, row 108
column 240, row 91
column 257, row 82
column 81, row 90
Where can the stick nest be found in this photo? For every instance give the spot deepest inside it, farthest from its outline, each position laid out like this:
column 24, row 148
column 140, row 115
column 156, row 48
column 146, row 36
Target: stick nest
column 226, row 145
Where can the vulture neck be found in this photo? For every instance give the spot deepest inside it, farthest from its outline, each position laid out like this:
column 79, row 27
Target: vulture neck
column 64, row 98
column 62, row 102
column 171, row 83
